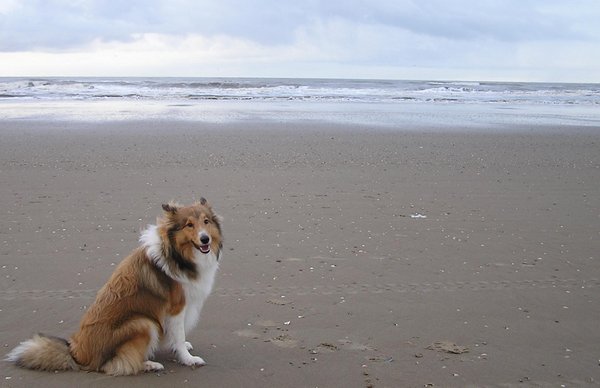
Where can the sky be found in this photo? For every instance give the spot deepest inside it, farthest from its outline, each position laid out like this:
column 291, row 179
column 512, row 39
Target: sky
column 494, row 40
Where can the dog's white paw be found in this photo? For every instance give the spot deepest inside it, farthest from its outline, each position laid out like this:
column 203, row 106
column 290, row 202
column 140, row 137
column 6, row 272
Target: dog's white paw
column 150, row 366
column 190, row 360
column 188, row 346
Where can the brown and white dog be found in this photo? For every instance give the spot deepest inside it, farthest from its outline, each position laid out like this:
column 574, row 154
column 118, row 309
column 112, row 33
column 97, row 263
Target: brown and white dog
column 150, row 302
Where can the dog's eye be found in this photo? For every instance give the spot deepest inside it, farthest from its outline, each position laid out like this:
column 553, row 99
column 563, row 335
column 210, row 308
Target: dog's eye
column 190, row 225
column 206, row 221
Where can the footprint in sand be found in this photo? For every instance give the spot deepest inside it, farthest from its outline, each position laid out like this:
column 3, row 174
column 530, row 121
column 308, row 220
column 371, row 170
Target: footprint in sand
column 448, row 347
column 284, row 341
column 324, row 347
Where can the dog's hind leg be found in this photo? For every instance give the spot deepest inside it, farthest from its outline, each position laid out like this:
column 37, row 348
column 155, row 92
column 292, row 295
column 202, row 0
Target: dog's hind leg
column 131, row 357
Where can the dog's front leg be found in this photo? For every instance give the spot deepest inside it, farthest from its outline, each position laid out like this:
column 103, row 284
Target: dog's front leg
column 174, row 340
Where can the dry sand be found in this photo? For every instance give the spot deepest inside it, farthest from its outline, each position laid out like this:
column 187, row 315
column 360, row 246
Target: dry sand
column 354, row 257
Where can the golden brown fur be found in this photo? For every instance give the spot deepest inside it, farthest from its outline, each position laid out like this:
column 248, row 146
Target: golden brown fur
column 133, row 301
column 124, row 325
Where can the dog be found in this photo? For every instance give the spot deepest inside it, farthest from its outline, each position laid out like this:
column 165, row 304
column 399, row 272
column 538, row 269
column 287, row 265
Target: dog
column 150, row 302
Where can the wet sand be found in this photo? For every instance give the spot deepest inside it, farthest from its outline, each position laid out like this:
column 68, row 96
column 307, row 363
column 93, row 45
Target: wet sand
column 354, row 257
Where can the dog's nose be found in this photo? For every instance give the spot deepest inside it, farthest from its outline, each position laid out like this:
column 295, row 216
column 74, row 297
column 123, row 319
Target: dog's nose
column 204, row 239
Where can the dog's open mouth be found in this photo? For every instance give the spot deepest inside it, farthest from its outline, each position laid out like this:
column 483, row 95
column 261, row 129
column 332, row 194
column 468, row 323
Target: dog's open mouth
column 204, row 248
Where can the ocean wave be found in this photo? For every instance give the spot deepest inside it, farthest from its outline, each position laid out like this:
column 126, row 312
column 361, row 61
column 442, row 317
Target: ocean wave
column 377, row 91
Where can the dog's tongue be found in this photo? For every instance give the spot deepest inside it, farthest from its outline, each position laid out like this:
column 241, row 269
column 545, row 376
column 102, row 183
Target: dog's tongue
column 204, row 248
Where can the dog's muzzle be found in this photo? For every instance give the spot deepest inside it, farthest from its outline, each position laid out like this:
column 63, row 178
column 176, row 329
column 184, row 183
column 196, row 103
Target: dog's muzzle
column 204, row 246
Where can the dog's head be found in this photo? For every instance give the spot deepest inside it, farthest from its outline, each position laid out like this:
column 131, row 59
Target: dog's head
column 189, row 230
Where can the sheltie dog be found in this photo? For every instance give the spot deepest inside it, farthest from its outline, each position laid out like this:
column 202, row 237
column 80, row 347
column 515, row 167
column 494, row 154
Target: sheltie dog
column 150, row 302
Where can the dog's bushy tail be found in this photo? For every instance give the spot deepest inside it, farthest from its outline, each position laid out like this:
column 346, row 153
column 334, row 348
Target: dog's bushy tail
column 43, row 352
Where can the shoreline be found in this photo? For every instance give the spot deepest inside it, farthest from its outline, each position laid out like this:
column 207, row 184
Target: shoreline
column 317, row 125
column 385, row 115
column 327, row 278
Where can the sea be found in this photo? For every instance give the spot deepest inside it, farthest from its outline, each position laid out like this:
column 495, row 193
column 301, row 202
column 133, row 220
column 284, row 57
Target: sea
column 388, row 103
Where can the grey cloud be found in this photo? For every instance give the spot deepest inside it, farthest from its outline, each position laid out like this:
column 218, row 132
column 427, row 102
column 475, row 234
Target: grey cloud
column 60, row 24
column 468, row 20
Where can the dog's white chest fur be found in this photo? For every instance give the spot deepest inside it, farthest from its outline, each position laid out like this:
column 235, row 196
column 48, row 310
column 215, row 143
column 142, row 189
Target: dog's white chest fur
column 196, row 291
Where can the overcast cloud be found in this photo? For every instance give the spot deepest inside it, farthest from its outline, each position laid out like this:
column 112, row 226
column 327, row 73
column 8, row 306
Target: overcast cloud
column 523, row 40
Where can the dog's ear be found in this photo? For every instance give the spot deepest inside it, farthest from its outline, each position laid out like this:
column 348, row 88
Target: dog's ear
column 217, row 219
column 202, row 202
column 169, row 208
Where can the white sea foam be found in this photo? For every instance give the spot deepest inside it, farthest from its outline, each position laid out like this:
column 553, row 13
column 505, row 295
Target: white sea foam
column 296, row 89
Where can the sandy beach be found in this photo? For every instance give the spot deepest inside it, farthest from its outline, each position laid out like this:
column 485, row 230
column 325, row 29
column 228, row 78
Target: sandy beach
column 354, row 256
